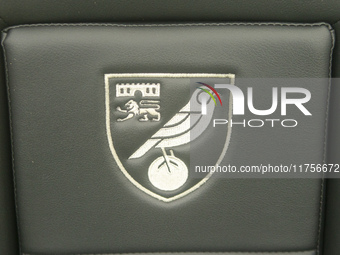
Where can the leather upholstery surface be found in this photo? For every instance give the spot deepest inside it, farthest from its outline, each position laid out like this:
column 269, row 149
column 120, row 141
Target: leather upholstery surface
column 332, row 219
column 71, row 11
column 64, row 171
column 8, row 233
column 24, row 11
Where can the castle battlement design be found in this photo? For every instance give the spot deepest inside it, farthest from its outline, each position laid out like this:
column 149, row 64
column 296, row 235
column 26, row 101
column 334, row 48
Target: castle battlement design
column 129, row 89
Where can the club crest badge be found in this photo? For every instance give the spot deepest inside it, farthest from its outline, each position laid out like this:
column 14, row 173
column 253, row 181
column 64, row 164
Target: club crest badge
column 159, row 124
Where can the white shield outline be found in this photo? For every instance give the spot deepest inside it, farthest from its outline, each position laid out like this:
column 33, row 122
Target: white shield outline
column 164, row 75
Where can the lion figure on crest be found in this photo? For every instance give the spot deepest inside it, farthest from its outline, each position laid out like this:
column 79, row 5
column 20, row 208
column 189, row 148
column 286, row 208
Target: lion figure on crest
column 146, row 109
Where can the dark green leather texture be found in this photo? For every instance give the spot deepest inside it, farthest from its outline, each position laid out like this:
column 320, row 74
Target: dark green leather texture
column 332, row 219
column 71, row 227
column 48, row 11
column 8, row 233
column 68, row 182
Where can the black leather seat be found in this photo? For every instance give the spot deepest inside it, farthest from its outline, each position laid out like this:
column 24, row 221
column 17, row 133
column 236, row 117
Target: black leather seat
column 76, row 189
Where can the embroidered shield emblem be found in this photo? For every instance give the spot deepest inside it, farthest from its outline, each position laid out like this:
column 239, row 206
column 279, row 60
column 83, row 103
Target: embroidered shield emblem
column 158, row 123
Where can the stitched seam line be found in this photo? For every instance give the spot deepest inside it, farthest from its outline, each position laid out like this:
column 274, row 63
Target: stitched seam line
column 176, row 25
column 173, row 25
column 12, row 143
column 325, row 140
